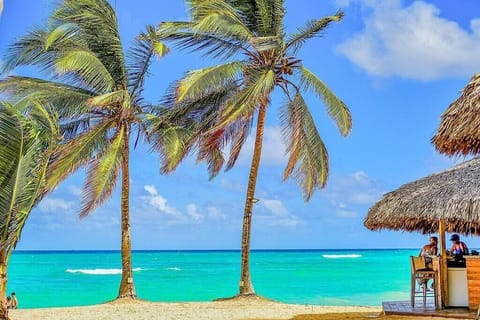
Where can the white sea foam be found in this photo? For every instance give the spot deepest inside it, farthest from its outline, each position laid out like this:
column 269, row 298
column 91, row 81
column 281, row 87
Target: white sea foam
column 100, row 271
column 341, row 256
column 173, row 268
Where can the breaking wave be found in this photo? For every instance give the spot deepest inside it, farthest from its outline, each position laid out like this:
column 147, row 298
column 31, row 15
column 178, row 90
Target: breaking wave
column 100, row 271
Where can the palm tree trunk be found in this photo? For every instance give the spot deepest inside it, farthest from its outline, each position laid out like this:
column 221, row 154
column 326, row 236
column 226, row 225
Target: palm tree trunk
column 127, row 288
column 246, row 286
column 3, row 285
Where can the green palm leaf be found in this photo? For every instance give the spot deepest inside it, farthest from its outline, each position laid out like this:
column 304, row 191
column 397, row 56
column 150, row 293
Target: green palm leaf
column 336, row 108
column 97, row 20
column 109, row 99
column 198, row 81
column 88, row 67
column 102, row 174
column 308, row 157
column 311, row 29
column 62, row 33
column 67, row 99
column 258, row 87
column 76, row 153
column 29, row 50
column 146, row 46
column 26, row 142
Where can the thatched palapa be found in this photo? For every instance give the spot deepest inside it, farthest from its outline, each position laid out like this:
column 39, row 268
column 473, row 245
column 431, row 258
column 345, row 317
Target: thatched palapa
column 459, row 130
column 452, row 195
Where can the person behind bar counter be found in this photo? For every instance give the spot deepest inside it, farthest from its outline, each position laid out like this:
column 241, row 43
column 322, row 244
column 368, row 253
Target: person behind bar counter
column 458, row 247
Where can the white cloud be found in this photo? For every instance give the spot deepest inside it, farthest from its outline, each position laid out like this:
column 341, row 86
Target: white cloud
column 159, row 203
column 1, row 7
column 273, row 150
column 344, row 213
column 412, row 42
column 151, row 190
column 289, row 221
column 214, row 213
column 230, row 185
column 54, row 205
column 74, row 190
column 279, row 215
column 276, row 207
column 192, row 211
column 357, row 188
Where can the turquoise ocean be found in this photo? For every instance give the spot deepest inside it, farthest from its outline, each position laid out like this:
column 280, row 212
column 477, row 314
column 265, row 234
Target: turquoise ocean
column 322, row 277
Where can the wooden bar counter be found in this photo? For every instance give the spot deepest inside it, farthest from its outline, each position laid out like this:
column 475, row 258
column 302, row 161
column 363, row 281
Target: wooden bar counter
column 473, row 279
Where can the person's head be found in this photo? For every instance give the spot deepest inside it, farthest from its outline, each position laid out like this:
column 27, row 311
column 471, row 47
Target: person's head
column 434, row 240
column 13, row 293
column 455, row 238
column 9, row 298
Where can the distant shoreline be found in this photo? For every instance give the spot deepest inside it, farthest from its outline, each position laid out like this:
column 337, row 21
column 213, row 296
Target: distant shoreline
column 206, row 250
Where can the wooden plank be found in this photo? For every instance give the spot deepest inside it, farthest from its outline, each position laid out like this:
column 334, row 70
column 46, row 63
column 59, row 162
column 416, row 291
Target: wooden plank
column 404, row 308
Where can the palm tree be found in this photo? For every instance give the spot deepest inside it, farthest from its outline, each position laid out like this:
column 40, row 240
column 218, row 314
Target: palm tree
column 97, row 92
column 28, row 135
column 248, row 35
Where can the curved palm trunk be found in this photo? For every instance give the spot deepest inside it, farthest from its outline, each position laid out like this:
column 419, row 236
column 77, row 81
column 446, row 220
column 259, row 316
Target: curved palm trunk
column 246, row 286
column 127, row 288
column 3, row 285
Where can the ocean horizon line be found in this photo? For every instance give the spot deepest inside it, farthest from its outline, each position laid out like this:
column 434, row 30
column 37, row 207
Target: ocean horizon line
column 26, row 251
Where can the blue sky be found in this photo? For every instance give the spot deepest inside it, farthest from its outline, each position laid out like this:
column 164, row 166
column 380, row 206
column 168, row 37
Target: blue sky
column 396, row 64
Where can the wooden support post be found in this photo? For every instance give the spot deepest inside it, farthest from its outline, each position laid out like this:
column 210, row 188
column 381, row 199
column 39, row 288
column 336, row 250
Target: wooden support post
column 443, row 265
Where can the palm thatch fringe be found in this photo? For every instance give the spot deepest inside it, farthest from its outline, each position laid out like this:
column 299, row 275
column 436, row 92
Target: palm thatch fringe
column 452, row 195
column 459, row 130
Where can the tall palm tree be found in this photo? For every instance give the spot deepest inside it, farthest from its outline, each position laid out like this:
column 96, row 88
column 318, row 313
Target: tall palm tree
column 97, row 92
column 248, row 35
column 28, row 136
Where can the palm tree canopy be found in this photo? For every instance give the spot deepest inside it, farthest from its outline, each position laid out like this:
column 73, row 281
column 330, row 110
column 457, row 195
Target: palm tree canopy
column 451, row 195
column 95, row 88
column 459, row 130
column 223, row 99
column 28, row 135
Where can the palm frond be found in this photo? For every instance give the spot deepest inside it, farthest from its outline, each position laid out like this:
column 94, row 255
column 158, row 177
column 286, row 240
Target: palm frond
column 266, row 43
column 102, row 175
column 98, row 22
column 26, row 141
column 65, row 31
column 211, row 146
column 173, row 143
column 200, row 9
column 146, row 46
column 223, row 25
column 109, row 99
column 242, row 130
column 259, row 86
column 198, row 81
column 308, row 157
column 183, row 36
column 336, row 108
column 71, row 129
column 311, row 29
column 70, row 156
column 29, row 50
column 88, row 67
column 67, row 100
column 270, row 15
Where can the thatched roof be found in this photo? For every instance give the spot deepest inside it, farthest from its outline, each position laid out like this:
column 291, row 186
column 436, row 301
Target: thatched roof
column 452, row 195
column 459, row 130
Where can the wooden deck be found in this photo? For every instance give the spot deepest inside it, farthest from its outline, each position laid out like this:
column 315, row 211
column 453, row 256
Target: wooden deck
column 404, row 308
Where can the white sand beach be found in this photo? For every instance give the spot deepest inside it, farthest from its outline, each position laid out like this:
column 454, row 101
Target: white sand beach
column 218, row 310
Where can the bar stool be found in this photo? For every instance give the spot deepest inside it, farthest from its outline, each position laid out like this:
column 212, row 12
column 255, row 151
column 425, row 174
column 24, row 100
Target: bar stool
column 420, row 275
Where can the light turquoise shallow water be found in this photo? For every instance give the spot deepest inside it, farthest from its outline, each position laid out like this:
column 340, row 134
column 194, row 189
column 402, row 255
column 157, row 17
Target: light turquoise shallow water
column 324, row 277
